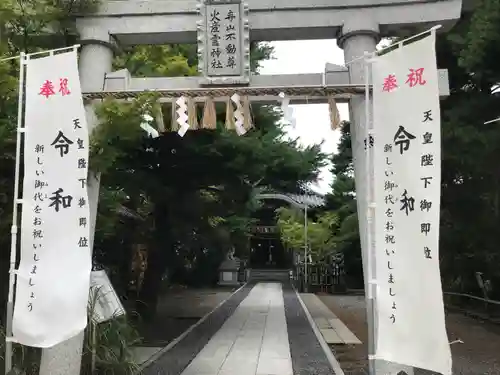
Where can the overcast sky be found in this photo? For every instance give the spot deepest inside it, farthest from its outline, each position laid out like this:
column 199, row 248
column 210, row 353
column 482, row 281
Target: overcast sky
column 312, row 121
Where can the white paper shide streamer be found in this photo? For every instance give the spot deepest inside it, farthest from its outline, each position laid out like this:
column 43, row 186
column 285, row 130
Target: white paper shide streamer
column 407, row 182
column 182, row 116
column 238, row 115
column 152, row 132
column 288, row 117
column 54, row 271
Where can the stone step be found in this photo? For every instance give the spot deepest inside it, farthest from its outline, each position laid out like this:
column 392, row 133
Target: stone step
column 334, row 331
column 269, row 275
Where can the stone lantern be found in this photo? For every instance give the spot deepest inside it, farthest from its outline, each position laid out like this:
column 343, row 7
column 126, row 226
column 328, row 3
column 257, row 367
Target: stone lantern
column 228, row 270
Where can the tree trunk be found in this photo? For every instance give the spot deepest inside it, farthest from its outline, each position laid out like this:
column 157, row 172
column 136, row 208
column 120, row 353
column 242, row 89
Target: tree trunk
column 148, row 295
column 125, row 271
column 159, row 254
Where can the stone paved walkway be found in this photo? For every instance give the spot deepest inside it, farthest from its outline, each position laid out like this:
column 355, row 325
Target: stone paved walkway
column 253, row 341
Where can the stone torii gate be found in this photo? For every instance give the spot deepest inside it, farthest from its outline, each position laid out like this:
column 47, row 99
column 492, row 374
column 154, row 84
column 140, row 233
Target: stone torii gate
column 358, row 25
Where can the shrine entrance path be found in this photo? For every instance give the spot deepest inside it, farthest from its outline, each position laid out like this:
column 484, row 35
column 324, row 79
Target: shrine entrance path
column 262, row 329
column 254, row 340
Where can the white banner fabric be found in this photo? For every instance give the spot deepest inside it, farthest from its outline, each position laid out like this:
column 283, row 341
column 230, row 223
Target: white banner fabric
column 54, row 273
column 407, row 170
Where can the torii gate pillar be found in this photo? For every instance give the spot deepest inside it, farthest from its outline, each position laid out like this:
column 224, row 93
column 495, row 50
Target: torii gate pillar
column 358, row 36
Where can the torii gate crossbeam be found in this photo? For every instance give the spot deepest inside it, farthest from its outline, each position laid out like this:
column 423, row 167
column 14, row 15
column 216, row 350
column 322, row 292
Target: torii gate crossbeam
column 158, row 21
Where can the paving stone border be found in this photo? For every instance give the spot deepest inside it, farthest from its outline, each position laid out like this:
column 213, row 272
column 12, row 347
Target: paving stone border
column 175, row 360
column 308, row 356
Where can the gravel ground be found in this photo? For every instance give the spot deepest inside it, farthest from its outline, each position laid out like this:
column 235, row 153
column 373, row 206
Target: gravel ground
column 308, row 358
column 174, row 361
column 478, row 355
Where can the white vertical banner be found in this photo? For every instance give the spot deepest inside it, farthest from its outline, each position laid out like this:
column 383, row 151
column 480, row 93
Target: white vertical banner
column 54, row 273
column 407, row 187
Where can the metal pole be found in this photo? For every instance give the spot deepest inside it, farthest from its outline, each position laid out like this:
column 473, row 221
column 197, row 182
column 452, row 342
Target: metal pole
column 13, row 244
column 306, row 255
column 370, row 213
column 93, row 327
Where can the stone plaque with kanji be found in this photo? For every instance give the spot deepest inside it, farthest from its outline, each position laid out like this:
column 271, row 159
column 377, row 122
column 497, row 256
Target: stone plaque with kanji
column 223, row 48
